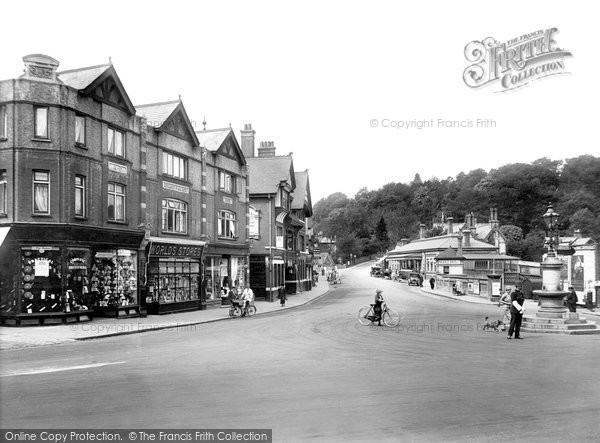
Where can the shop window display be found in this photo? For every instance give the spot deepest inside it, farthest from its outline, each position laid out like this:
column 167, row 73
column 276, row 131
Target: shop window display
column 9, row 276
column 41, row 282
column 113, row 280
column 212, row 277
column 173, row 280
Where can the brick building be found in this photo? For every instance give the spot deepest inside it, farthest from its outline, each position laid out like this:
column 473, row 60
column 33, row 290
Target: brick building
column 70, row 162
column 279, row 255
column 175, row 235
column 226, row 201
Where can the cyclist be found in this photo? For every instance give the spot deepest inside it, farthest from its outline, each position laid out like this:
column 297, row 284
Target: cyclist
column 379, row 304
column 248, row 298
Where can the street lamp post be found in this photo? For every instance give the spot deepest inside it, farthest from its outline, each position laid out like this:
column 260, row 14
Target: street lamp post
column 551, row 295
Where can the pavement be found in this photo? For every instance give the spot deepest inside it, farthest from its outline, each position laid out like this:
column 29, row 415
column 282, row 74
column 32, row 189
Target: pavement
column 32, row 336
column 530, row 305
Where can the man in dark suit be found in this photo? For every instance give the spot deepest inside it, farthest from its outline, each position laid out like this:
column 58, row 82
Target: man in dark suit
column 516, row 312
column 572, row 300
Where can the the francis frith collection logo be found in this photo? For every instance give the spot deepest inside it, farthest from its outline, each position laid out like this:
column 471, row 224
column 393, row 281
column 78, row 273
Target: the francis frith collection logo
column 514, row 63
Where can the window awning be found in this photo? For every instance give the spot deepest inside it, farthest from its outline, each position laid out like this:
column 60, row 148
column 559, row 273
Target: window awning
column 3, row 233
column 281, row 216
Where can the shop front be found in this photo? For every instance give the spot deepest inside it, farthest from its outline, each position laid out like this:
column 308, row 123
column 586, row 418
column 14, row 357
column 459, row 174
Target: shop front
column 71, row 275
column 173, row 275
column 224, row 270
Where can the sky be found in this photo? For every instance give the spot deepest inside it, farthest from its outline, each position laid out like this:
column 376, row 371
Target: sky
column 329, row 81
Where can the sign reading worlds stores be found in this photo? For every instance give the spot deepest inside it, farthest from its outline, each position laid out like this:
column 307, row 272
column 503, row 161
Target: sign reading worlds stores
column 174, row 250
column 516, row 62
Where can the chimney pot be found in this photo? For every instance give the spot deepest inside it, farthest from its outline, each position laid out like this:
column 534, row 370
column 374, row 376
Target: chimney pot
column 422, row 230
column 460, row 251
column 450, row 225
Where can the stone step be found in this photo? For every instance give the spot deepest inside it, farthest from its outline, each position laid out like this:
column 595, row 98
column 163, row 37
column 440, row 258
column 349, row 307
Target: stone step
column 564, row 327
column 581, row 320
column 563, row 331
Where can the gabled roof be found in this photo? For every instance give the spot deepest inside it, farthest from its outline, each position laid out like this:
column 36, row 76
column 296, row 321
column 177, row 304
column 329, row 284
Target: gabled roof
column 449, row 254
column 156, row 113
column 441, row 243
column 100, row 82
column 221, row 141
column 267, row 173
column 302, row 198
column 570, row 242
column 81, row 78
column 170, row 117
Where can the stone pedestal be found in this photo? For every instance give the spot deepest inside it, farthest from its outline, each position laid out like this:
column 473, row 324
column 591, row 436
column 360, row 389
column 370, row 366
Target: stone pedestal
column 553, row 316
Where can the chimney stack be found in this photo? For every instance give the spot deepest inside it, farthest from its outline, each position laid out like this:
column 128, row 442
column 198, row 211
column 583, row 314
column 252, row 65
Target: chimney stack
column 577, row 233
column 422, row 230
column 402, row 242
column 266, row 149
column 247, row 139
column 460, row 251
column 494, row 217
column 467, row 237
column 450, row 225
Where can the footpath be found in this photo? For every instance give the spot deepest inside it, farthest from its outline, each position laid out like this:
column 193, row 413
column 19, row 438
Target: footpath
column 31, row 336
column 530, row 305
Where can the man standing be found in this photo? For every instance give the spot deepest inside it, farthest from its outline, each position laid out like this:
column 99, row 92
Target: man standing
column 516, row 312
column 432, row 282
column 572, row 300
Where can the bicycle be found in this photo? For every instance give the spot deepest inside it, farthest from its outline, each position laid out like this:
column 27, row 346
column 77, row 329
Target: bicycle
column 390, row 318
column 237, row 309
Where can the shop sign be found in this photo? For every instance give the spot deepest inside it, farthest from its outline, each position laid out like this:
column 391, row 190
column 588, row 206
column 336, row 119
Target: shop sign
column 104, row 255
column 175, row 187
column 170, row 250
column 77, row 263
column 279, row 241
column 42, row 267
column 115, row 167
column 227, row 200
column 253, row 223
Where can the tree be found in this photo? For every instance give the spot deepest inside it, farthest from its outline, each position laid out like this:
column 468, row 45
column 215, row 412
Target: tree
column 586, row 222
column 381, row 235
column 436, row 231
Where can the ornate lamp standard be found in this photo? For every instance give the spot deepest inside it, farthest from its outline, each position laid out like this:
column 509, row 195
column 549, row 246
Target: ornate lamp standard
column 551, row 295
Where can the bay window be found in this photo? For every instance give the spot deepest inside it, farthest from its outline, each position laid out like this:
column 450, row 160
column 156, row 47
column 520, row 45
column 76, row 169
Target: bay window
column 41, row 192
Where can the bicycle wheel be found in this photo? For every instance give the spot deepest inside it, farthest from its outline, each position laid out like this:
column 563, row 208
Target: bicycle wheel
column 237, row 312
column 364, row 314
column 251, row 311
column 391, row 318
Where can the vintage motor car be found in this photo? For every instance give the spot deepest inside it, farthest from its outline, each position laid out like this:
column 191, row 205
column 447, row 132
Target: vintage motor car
column 414, row 278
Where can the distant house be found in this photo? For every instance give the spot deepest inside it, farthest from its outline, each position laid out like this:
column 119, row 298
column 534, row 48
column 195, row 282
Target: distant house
column 462, row 261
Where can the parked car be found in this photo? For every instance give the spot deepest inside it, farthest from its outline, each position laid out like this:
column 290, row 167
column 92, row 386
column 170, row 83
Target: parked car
column 375, row 271
column 414, row 279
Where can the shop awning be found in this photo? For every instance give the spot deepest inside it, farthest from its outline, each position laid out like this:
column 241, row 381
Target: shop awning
column 3, row 233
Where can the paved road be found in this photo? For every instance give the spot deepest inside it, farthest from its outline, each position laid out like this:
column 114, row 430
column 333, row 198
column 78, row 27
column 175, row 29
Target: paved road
column 314, row 373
